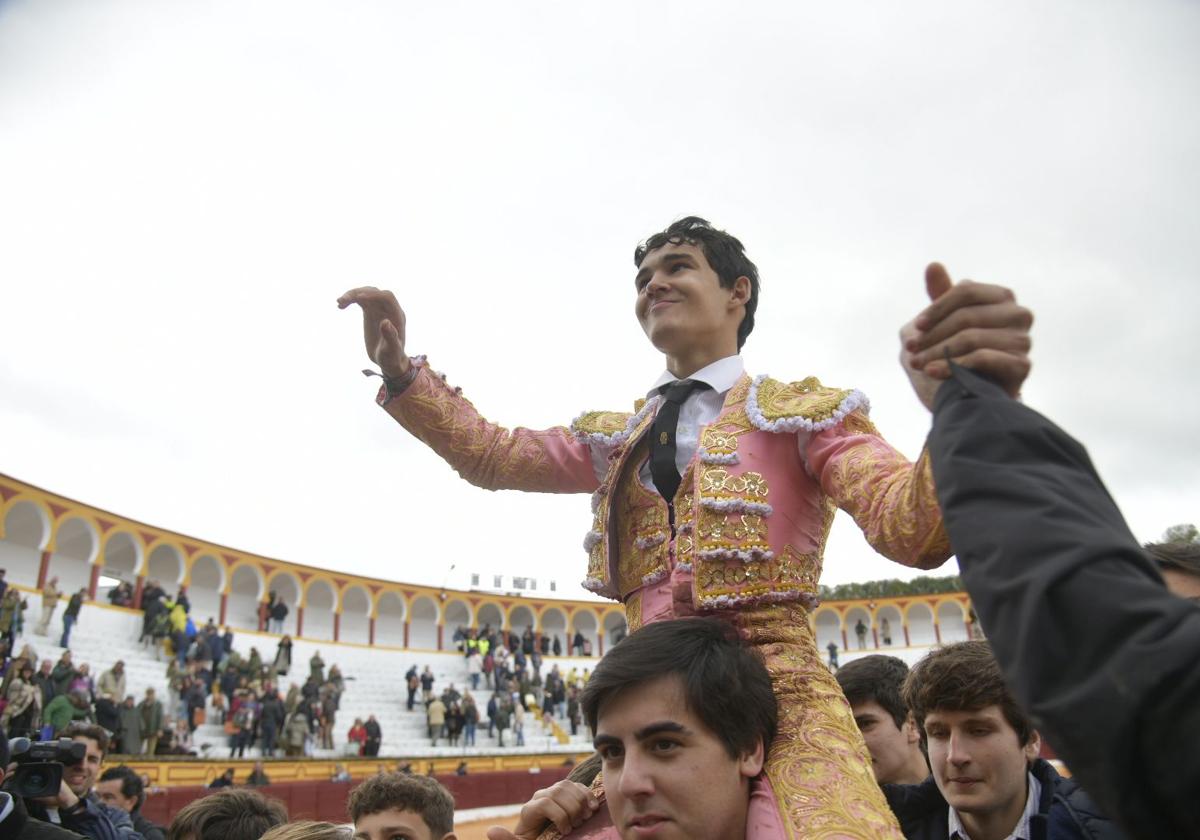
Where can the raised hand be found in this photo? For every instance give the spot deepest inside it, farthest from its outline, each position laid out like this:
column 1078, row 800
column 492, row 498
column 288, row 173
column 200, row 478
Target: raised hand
column 383, row 328
column 566, row 804
column 978, row 325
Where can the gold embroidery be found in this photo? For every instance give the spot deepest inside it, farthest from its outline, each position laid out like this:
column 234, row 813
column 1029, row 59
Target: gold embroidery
column 601, row 422
column 893, row 502
column 807, row 398
column 717, row 442
column 633, row 611
column 818, row 764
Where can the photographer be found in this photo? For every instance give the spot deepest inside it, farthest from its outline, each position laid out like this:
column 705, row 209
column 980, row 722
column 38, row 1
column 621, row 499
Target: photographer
column 15, row 822
column 77, row 807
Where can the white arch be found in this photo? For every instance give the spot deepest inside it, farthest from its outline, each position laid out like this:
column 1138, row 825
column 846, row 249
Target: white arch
column 389, row 619
column 27, row 531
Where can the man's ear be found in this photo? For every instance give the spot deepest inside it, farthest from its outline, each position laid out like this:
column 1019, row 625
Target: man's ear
column 1034, row 748
column 751, row 763
column 740, row 293
column 450, row 836
column 911, row 734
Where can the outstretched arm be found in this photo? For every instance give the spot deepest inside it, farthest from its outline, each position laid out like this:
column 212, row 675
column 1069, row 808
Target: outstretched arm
column 1091, row 642
column 485, row 454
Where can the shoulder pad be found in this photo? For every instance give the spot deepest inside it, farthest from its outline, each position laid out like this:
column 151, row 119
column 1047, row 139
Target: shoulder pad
column 807, row 405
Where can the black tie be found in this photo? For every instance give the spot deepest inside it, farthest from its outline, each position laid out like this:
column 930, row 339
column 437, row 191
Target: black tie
column 662, row 439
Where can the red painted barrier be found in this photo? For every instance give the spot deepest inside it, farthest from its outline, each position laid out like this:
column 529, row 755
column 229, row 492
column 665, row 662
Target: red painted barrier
column 327, row 800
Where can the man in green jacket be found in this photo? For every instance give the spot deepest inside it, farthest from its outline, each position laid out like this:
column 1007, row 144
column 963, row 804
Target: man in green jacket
column 152, row 721
column 66, row 708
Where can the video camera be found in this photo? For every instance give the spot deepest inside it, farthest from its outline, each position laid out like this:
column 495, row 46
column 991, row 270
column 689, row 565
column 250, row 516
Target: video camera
column 40, row 765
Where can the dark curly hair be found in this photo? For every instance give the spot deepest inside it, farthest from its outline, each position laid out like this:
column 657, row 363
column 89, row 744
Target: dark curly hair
column 724, row 253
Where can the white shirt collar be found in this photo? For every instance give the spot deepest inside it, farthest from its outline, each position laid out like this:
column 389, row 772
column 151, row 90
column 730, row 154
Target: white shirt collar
column 721, row 375
column 1020, row 831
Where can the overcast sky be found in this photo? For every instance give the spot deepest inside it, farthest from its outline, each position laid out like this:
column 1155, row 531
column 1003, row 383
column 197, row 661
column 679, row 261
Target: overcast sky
column 186, row 188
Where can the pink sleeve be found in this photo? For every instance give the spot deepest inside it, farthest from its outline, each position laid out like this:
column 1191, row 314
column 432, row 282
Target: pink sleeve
column 891, row 498
column 487, row 455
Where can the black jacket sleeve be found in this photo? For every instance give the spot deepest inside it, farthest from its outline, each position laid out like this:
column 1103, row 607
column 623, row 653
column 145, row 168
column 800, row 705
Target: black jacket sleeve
column 1102, row 656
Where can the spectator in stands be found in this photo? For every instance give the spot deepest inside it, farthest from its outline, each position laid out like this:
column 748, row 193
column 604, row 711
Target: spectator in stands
column 393, row 805
column 885, row 630
column 427, row 685
column 374, row 737
column 120, row 787
column 503, row 716
column 227, row 815
column 130, row 736
column 11, row 607
column 23, row 709
column 358, row 735
column 70, row 616
column 873, row 687
column 833, row 655
column 77, row 806
column 279, row 613
column 987, row 779
column 557, row 647
column 1179, row 564
column 860, row 630
column 435, row 717
column 50, row 596
column 470, row 719
column 412, row 682
column 83, row 681
column 307, row 830
column 106, row 713
column 283, row 656
column 64, row 671
column 223, row 781
column 573, row 709
column 316, row 668
column 258, row 776
column 121, row 595
column 272, row 715
column 295, row 733
column 152, row 721
column 15, row 822
column 577, row 644
column 340, row 774
column 112, row 681
column 64, row 709
column 454, row 723
column 44, row 679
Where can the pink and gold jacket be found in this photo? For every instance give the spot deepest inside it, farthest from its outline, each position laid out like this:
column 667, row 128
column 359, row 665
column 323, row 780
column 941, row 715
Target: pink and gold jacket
column 752, row 514
column 754, row 507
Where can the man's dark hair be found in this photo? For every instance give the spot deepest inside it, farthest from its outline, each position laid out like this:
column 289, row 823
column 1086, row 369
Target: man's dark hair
column 420, row 794
column 725, row 683
column 229, row 814
column 88, row 730
column 724, row 253
column 131, row 783
column 962, row 677
column 1177, row 556
column 879, row 678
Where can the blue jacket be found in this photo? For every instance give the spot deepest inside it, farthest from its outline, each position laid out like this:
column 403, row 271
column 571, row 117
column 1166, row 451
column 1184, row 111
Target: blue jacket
column 1065, row 811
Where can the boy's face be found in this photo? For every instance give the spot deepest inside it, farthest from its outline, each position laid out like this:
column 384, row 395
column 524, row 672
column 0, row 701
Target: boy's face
column 978, row 762
column 891, row 748
column 681, row 304
column 395, row 824
column 666, row 774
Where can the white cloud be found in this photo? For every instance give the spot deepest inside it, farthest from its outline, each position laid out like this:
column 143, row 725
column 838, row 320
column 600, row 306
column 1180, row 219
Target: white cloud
column 186, row 188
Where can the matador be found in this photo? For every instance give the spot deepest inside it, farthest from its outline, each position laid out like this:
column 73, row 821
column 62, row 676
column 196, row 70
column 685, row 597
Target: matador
column 715, row 494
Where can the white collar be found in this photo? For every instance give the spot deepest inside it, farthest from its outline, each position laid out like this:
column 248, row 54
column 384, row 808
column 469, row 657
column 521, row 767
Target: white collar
column 7, row 807
column 721, row 375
